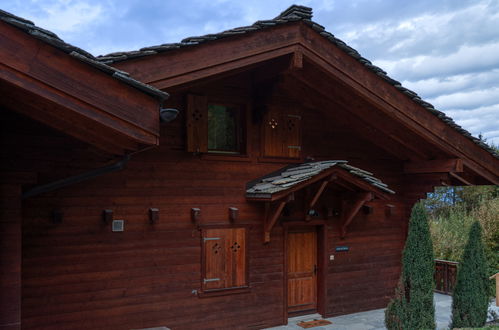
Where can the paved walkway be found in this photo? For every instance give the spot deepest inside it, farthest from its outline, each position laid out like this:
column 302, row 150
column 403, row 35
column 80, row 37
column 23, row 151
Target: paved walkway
column 374, row 320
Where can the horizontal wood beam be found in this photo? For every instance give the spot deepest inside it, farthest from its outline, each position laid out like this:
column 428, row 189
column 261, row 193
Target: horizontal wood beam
column 434, row 166
column 191, row 63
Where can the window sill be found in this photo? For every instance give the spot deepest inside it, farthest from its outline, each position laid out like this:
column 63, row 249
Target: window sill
column 223, row 292
column 226, row 157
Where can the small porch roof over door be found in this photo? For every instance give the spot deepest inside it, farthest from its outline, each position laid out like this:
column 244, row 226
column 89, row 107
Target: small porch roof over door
column 64, row 87
column 279, row 184
column 279, row 187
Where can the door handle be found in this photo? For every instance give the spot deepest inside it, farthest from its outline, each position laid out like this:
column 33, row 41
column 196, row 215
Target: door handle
column 315, row 269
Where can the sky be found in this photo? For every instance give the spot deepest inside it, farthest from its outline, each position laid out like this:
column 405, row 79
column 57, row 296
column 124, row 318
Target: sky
column 445, row 50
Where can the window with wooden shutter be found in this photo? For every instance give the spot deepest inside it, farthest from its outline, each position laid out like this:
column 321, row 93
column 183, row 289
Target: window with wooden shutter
column 282, row 135
column 214, row 127
column 224, row 258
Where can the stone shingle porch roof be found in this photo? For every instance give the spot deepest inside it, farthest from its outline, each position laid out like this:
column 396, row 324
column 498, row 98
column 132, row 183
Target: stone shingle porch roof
column 293, row 14
column 291, row 176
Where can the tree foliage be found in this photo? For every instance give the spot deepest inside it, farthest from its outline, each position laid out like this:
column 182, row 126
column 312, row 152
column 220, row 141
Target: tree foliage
column 470, row 297
column 412, row 306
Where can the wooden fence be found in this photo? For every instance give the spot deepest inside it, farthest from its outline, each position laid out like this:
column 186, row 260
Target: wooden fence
column 445, row 276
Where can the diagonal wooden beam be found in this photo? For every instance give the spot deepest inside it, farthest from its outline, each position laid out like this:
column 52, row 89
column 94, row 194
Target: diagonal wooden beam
column 460, row 179
column 318, row 194
column 272, row 217
column 348, row 217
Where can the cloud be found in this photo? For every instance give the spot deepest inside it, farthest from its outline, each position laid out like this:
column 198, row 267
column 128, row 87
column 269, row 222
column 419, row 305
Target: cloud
column 63, row 16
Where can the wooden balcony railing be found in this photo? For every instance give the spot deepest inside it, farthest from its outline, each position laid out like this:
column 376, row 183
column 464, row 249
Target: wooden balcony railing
column 445, row 276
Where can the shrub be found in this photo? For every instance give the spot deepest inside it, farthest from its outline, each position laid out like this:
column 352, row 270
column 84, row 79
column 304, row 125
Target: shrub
column 412, row 307
column 470, row 299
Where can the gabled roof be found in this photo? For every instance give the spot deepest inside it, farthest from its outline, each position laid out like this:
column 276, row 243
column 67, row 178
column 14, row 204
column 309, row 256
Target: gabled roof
column 67, row 89
column 293, row 14
column 78, row 53
column 295, row 177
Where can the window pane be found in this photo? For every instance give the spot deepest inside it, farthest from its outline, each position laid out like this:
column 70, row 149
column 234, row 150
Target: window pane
column 223, row 128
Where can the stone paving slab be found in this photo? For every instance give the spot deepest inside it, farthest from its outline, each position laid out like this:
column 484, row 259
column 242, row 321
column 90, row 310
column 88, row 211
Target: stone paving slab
column 374, row 320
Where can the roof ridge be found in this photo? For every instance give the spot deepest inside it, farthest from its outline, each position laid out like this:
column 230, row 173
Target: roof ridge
column 52, row 39
column 296, row 10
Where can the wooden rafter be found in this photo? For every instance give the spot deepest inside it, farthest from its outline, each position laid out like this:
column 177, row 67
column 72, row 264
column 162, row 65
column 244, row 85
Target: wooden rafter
column 318, row 194
column 434, row 166
column 350, row 214
column 460, row 179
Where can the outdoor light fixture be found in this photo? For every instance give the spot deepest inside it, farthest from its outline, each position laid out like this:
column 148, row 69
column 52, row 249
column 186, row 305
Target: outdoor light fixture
column 153, row 215
column 167, row 114
column 107, row 216
column 233, row 213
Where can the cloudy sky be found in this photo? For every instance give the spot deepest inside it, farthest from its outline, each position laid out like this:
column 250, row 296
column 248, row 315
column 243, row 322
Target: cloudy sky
column 445, row 50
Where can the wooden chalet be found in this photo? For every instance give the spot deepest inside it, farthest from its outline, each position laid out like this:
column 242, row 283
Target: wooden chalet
column 283, row 187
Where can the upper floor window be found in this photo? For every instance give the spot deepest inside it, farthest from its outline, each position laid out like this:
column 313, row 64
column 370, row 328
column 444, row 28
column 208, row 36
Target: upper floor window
column 214, row 127
column 224, row 128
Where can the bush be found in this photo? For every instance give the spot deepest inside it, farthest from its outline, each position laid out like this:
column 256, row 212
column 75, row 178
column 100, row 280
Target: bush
column 470, row 299
column 412, row 307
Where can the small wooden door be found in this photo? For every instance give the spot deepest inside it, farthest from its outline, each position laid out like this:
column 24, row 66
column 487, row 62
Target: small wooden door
column 302, row 271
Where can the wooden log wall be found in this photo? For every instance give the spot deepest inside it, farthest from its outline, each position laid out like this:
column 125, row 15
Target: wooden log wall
column 79, row 274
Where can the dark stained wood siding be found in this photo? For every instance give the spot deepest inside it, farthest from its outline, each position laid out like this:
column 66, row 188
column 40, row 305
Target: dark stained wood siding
column 80, row 275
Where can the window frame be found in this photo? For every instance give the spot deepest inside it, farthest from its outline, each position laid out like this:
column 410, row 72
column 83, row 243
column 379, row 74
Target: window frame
column 197, row 126
column 241, row 129
column 203, row 292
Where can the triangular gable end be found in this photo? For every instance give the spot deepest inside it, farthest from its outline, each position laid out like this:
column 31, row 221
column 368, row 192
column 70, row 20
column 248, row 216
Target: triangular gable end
column 312, row 52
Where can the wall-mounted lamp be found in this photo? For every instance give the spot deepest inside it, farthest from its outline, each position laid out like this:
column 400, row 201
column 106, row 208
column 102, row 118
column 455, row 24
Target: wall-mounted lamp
column 368, row 209
column 233, row 213
column 389, row 209
column 107, row 216
column 57, row 216
column 167, row 114
column 153, row 215
column 195, row 215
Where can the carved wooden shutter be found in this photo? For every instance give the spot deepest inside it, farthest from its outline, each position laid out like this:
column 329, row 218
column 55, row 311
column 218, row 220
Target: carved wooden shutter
column 224, row 258
column 236, row 257
column 197, row 123
column 292, row 140
column 214, row 259
column 282, row 135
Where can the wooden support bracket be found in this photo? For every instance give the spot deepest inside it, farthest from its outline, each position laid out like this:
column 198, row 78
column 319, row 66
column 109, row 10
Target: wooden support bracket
column 460, row 179
column 317, row 195
column 271, row 217
column 350, row 214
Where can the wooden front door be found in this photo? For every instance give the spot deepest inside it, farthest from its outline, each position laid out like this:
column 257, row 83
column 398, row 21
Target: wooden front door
column 302, row 271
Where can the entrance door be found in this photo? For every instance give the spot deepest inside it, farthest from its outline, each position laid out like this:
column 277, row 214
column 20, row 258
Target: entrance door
column 302, row 271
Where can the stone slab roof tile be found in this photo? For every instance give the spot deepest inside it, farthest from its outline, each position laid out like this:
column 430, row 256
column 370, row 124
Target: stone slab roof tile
column 78, row 53
column 291, row 176
column 304, row 14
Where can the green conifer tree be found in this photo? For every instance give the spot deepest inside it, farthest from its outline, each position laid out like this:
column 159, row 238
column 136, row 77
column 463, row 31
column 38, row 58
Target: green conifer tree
column 412, row 307
column 470, row 299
